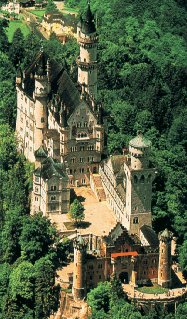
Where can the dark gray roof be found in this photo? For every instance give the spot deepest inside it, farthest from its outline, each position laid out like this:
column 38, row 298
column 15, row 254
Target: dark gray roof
column 63, row 90
column 87, row 22
column 51, row 168
column 68, row 92
column 150, row 235
column 40, row 152
column 38, row 66
column 121, row 192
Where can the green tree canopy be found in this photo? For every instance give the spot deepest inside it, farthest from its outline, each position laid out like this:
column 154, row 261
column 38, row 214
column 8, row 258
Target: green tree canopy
column 46, row 296
column 77, row 211
column 37, row 237
column 16, row 51
column 51, row 7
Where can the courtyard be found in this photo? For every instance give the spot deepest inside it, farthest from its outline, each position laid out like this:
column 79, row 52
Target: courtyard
column 99, row 218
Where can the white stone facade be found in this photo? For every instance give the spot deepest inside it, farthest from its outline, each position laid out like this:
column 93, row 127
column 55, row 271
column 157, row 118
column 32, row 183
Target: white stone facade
column 127, row 181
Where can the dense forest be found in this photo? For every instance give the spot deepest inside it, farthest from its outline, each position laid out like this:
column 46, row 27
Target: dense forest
column 30, row 248
column 142, row 58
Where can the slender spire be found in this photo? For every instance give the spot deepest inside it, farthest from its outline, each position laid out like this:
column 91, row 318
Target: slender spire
column 87, row 22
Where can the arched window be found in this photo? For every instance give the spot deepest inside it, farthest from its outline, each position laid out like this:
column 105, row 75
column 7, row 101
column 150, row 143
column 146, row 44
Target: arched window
column 135, row 179
column 135, row 220
column 149, row 178
column 142, row 179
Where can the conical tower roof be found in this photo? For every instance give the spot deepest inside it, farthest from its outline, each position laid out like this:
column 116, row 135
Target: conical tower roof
column 87, row 22
column 165, row 234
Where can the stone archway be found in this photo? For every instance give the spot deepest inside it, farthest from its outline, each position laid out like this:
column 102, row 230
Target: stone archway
column 124, row 277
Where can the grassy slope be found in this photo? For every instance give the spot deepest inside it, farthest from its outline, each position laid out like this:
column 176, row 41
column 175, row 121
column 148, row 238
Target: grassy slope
column 14, row 25
column 38, row 13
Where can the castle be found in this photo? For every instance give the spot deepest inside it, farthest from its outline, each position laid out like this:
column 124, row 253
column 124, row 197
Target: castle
column 60, row 129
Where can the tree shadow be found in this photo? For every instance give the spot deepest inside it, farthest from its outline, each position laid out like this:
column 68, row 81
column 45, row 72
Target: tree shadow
column 73, row 196
column 83, row 225
column 81, row 199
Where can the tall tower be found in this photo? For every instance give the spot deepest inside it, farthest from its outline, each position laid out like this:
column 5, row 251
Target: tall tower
column 164, row 267
column 79, row 268
column 139, row 178
column 40, row 97
column 87, row 61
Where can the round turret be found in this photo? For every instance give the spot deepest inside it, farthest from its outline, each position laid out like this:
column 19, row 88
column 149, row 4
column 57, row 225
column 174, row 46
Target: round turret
column 40, row 155
column 139, row 148
column 79, row 268
column 164, row 268
column 40, row 96
column 87, row 61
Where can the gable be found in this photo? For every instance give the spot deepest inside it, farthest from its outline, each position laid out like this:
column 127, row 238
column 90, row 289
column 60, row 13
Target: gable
column 82, row 114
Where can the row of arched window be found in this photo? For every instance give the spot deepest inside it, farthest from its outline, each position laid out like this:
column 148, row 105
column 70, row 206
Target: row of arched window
column 82, row 135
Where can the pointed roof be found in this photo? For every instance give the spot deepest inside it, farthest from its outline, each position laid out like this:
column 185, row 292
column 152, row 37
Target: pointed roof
column 51, row 168
column 149, row 235
column 165, row 234
column 87, row 23
column 40, row 152
column 88, row 16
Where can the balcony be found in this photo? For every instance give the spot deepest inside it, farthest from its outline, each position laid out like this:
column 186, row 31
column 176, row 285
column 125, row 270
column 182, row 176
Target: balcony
column 88, row 40
column 86, row 65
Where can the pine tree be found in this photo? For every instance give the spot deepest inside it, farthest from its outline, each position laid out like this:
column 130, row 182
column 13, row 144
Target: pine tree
column 16, row 51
